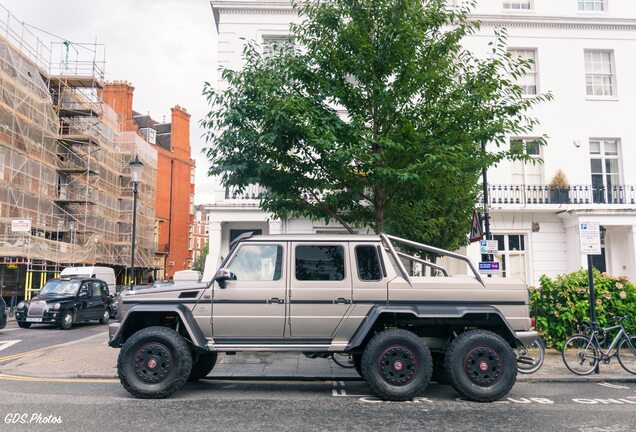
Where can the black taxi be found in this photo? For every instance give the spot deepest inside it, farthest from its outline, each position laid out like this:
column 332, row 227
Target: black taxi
column 64, row 302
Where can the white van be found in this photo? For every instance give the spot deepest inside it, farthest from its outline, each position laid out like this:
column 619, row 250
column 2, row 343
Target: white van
column 186, row 276
column 106, row 274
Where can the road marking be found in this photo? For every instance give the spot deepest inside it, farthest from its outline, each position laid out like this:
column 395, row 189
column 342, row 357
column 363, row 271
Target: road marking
column 608, row 401
column 335, row 390
column 6, row 344
column 26, row 353
column 9, row 377
column 613, row 386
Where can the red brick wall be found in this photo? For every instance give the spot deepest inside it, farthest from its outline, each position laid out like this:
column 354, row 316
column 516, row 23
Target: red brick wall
column 119, row 96
column 175, row 210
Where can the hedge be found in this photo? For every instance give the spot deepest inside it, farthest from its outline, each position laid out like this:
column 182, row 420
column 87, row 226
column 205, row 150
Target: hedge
column 560, row 305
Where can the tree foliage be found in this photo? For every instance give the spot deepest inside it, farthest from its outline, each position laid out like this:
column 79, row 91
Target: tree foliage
column 373, row 118
column 199, row 262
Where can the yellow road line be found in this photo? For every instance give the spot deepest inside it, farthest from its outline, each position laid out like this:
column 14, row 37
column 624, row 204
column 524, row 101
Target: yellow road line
column 9, row 377
column 23, row 354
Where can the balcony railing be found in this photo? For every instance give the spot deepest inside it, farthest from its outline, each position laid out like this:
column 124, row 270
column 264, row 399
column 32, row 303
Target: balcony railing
column 251, row 192
column 543, row 194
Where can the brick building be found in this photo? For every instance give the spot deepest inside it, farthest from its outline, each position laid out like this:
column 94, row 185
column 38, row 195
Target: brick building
column 174, row 210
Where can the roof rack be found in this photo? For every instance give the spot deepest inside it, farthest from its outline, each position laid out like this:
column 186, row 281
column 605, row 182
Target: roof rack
column 386, row 238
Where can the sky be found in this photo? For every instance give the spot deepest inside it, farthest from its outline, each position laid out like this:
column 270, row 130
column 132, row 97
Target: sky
column 165, row 48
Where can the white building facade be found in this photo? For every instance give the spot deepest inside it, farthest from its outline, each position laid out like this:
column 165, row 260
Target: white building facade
column 584, row 54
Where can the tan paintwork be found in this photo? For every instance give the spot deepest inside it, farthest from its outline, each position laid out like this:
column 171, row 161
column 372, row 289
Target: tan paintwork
column 309, row 310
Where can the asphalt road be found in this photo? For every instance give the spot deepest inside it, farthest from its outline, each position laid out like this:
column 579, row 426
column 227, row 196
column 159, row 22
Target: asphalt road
column 15, row 341
column 93, row 405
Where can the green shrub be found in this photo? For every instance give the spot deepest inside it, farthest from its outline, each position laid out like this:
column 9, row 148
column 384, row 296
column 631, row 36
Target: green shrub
column 561, row 305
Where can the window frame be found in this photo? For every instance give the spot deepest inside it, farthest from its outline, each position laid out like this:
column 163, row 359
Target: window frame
column 240, row 246
column 618, row 157
column 294, row 271
column 613, row 74
column 537, row 85
column 513, row 10
column 504, row 273
column 379, row 262
column 591, row 11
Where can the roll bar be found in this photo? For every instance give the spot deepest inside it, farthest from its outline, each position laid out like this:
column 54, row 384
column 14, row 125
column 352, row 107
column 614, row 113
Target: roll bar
column 386, row 238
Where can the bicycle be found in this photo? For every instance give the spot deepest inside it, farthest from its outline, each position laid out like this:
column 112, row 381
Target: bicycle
column 530, row 357
column 582, row 353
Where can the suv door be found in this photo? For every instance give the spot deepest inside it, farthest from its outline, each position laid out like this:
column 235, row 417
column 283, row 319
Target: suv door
column 252, row 305
column 320, row 289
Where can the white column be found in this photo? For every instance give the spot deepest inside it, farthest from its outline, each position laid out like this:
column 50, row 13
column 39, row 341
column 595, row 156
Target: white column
column 214, row 251
column 275, row 227
column 631, row 242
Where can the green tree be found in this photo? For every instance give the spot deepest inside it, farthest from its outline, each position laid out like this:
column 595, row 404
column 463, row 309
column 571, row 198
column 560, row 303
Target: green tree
column 199, row 262
column 373, row 117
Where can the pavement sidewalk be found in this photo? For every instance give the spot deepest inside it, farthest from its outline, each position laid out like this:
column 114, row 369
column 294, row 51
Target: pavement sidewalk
column 92, row 358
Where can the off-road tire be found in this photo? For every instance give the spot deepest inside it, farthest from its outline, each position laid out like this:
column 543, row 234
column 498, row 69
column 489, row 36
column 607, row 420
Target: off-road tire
column 173, row 358
column 23, row 324
column 105, row 316
column 397, row 365
column 66, row 324
column 202, row 366
column 481, row 366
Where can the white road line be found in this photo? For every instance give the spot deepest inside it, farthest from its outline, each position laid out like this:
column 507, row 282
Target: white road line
column 6, row 344
column 613, row 386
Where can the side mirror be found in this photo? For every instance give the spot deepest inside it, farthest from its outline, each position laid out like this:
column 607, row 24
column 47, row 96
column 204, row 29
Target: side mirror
column 222, row 276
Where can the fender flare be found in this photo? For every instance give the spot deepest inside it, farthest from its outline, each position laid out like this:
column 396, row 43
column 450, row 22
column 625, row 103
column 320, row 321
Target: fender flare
column 429, row 311
column 117, row 330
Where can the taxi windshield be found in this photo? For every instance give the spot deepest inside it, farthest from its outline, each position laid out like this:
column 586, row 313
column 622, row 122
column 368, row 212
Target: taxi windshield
column 60, row 288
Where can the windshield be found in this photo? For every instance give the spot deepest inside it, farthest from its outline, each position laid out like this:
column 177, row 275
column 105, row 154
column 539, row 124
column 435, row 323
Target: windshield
column 60, row 288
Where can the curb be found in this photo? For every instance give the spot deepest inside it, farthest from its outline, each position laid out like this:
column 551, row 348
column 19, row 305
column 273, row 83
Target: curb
column 249, row 377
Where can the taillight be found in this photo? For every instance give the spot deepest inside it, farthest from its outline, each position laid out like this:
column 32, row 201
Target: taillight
column 532, row 322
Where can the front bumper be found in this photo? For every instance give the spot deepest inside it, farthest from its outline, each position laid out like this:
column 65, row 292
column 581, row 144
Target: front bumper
column 49, row 317
column 113, row 329
column 527, row 337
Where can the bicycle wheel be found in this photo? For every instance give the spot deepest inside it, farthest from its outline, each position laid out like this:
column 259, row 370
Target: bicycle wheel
column 580, row 355
column 627, row 354
column 343, row 360
column 530, row 358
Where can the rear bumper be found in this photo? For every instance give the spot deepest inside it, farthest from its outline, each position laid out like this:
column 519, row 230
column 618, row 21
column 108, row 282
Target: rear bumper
column 526, row 337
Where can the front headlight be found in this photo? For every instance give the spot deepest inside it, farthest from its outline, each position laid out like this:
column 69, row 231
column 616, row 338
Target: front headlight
column 56, row 306
column 22, row 305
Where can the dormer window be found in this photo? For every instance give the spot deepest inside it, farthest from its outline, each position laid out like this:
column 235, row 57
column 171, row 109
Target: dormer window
column 150, row 135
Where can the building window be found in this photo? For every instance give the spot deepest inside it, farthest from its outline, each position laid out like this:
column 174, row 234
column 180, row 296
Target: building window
column 528, row 82
column 275, row 43
column 257, row 263
column 605, row 170
column 517, row 4
column 527, row 172
column 600, row 77
column 592, row 5
column 192, row 204
column 512, row 251
column 320, row 263
column 191, row 175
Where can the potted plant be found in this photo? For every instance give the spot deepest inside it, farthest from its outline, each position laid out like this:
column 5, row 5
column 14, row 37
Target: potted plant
column 559, row 188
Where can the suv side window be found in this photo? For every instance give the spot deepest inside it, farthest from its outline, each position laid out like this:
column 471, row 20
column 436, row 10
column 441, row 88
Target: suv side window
column 320, row 263
column 257, row 263
column 368, row 263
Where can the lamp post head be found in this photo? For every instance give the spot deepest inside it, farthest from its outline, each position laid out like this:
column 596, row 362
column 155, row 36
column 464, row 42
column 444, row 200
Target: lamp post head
column 136, row 167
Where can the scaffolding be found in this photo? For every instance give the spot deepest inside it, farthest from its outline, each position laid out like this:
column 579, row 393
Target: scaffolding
column 64, row 162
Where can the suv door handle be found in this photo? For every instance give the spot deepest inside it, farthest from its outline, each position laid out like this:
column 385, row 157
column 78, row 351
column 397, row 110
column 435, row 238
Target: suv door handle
column 276, row 300
column 342, row 300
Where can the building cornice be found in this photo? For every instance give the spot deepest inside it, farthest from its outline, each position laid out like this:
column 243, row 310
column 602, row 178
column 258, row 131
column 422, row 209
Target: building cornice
column 272, row 7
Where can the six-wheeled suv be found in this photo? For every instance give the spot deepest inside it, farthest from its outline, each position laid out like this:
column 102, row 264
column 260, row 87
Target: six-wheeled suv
column 320, row 295
column 65, row 302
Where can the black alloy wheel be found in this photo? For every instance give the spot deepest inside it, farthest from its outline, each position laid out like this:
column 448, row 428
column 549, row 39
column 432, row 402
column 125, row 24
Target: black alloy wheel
column 397, row 365
column 481, row 366
column 154, row 363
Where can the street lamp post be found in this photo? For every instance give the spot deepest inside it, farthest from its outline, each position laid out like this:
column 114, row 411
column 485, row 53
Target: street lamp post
column 136, row 167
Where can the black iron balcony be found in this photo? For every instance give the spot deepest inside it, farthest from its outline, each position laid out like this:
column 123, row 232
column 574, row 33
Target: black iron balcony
column 543, row 194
